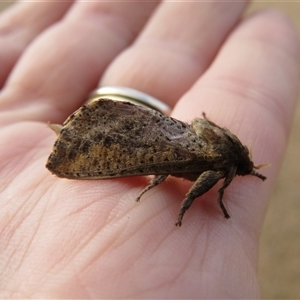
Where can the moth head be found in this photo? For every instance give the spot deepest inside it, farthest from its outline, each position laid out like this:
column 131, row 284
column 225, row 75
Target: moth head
column 247, row 167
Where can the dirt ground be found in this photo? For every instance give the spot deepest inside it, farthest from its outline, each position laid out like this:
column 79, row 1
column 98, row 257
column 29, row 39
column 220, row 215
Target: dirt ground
column 279, row 265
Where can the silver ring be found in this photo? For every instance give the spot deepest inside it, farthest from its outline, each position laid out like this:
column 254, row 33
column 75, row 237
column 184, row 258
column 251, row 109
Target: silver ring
column 120, row 93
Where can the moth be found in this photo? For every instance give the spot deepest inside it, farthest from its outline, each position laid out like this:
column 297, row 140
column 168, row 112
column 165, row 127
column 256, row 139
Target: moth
column 113, row 139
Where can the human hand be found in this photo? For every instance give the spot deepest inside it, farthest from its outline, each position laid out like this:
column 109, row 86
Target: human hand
column 90, row 239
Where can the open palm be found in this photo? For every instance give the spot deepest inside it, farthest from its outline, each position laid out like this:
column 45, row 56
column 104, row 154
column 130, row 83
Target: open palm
column 62, row 238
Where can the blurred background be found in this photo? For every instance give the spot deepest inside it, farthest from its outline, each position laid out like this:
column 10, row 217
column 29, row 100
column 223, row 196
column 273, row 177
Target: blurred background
column 279, row 264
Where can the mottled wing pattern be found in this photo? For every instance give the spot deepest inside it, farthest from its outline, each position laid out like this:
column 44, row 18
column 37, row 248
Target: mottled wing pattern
column 106, row 139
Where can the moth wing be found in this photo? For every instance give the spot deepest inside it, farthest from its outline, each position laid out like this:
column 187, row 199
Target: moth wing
column 106, row 139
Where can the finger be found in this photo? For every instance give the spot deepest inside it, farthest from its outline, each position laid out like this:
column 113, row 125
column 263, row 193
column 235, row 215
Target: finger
column 252, row 89
column 20, row 24
column 166, row 60
column 60, row 68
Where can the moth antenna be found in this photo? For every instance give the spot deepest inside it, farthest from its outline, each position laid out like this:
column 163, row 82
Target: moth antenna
column 262, row 177
column 254, row 173
column 262, row 166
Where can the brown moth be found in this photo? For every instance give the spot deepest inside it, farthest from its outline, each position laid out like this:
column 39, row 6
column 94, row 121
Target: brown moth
column 112, row 139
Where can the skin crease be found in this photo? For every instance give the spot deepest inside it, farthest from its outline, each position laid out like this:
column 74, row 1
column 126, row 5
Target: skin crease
column 90, row 239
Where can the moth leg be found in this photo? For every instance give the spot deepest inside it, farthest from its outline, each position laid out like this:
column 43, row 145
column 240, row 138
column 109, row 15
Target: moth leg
column 225, row 184
column 209, row 121
column 154, row 182
column 204, row 183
